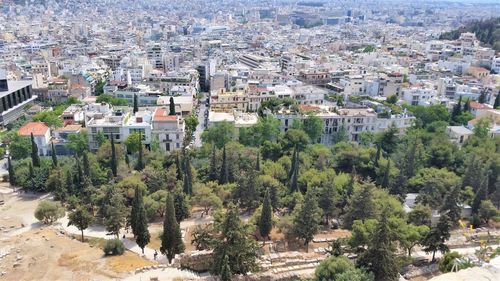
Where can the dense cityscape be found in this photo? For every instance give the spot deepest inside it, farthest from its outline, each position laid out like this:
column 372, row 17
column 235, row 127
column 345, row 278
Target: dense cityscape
column 315, row 140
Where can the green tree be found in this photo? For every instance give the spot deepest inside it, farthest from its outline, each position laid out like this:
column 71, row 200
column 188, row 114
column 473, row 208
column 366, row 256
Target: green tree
column 327, row 200
column 78, row 142
column 411, row 235
column 19, row 147
column 420, row 215
column 306, row 222
column 115, row 214
column 225, row 274
column 496, row 104
column 86, row 165
column 482, row 128
column 380, row 258
column 482, row 97
column 361, row 206
column 487, row 210
column 435, row 239
column 181, row 205
column 12, row 172
column 219, row 134
column 140, row 158
column 188, row 176
column 136, row 104
column 133, row 142
column 35, row 158
column 341, row 135
column 451, row 205
column 139, row 220
column 114, row 160
column 340, row 269
column 53, row 155
column 313, row 126
column 171, row 106
column 206, row 198
column 224, row 169
column 236, row 243
column 482, row 192
column 294, row 170
column 171, row 238
column 266, row 217
column 49, row 212
column 81, row 218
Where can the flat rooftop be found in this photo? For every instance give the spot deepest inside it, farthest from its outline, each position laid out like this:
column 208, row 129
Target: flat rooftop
column 15, row 85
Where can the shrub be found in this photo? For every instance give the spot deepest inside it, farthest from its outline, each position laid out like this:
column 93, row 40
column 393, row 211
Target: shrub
column 113, row 247
column 48, row 212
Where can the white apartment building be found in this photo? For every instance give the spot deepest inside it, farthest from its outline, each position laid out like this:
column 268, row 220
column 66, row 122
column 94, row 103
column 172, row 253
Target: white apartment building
column 419, row 96
column 495, row 65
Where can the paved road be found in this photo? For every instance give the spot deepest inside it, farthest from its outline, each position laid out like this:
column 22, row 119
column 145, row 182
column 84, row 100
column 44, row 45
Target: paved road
column 201, row 122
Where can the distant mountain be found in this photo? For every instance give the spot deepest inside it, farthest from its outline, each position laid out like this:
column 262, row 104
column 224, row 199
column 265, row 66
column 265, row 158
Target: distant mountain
column 487, row 31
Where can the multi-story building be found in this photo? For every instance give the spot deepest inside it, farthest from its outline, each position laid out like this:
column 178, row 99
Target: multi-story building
column 41, row 135
column 15, row 96
column 419, row 96
column 169, row 129
column 110, row 125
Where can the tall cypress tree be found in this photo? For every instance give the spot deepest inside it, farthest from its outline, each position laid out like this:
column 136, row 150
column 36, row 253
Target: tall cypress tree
column 257, row 164
column 482, row 192
column 140, row 161
column 69, row 183
column 482, row 97
column 457, row 109
column 35, row 158
column 377, row 156
column 496, row 104
column 178, row 165
column 224, row 169
column 86, row 165
column 171, row 239
column 266, row 217
column 53, row 155
column 451, row 205
column 212, row 173
column 306, row 222
column 467, row 106
column 12, row 172
column 136, row 104
column 188, row 175
column 114, row 161
column 171, row 106
column 386, row 178
column 139, row 221
column 295, row 171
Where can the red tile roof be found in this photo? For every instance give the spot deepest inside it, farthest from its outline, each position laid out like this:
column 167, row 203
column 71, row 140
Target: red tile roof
column 37, row 128
column 307, row 107
column 161, row 114
column 476, row 105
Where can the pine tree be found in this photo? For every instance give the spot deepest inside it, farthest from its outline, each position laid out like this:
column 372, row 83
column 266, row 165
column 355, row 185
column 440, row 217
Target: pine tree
column 114, row 161
column 386, row 179
column 140, row 161
column 86, row 165
column 224, row 169
column 451, row 205
column 482, row 192
column 496, row 104
column 327, row 198
column 188, row 176
column 472, row 174
column 306, row 222
column 225, row 274
column 380, row 258
column 236, row 243
column 136, row 104
column 171, row 106
column 212, row 173
column 54, row 156
column 362, row 204
column 115, row 215
column 139, row 221
column 266, row 217
column 171, row 238
column 435, row 239
column 35, row 158
column 12, row 172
